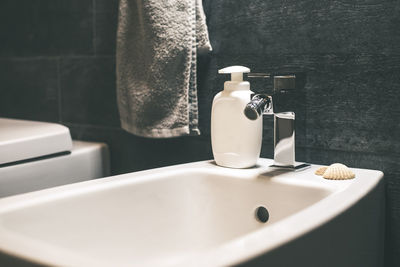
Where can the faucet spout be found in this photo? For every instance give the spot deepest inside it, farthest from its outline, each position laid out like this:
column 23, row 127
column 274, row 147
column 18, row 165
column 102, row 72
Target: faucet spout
column 259, row 105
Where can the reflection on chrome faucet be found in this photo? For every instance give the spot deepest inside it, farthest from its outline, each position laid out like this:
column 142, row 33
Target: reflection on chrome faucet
column 284, row 154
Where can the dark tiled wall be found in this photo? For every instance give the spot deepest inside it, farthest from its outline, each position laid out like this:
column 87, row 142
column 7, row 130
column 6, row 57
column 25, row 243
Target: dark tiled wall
column 57, row 64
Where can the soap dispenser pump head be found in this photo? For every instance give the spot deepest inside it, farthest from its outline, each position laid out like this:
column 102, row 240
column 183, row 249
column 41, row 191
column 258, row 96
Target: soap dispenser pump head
column 235, row 71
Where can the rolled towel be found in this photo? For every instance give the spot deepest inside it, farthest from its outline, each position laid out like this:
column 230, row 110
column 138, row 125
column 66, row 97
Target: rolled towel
column 157, row 43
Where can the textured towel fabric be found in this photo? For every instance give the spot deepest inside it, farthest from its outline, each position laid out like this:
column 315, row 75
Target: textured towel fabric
column 157, row 44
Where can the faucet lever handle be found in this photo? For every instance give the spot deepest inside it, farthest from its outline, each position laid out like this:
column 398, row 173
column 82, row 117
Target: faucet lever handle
column 259, row 75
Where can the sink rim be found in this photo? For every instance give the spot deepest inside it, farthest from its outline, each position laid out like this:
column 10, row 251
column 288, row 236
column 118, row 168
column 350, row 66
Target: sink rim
column 232, row 252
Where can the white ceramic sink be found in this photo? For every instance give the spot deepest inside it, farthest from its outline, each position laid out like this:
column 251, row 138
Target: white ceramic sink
column 195, row 214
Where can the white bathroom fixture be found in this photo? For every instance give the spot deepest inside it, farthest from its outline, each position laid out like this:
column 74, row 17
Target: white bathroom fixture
column 199, row 214
column 21, row 140
column 36, row 155
column 235, row 140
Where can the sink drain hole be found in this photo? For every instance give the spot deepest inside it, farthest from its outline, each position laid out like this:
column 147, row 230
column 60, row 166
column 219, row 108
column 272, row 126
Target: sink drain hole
column 262, row 214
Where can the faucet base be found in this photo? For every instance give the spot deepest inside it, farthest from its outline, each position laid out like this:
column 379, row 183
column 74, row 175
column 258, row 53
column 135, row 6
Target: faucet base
column 297, row 167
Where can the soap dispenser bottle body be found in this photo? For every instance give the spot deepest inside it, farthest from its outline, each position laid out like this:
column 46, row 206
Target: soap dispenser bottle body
column 236, row 140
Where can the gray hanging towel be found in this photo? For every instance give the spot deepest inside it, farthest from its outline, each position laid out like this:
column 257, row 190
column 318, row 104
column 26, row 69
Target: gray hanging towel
column 157, row 44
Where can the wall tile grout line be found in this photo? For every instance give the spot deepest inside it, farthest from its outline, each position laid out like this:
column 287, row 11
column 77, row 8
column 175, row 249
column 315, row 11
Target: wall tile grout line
column 59, row 91
column 364, row 152
column 93, row 126
column 94, row 26
column 33, row 58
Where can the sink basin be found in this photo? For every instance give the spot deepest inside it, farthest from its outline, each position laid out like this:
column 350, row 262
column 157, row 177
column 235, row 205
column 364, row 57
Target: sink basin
column 184, row 215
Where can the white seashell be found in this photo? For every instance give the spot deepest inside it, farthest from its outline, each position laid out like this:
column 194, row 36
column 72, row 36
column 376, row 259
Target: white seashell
column 338, row 171
column 321, row 170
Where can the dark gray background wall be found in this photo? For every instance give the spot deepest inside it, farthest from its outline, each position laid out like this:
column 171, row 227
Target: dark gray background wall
column 57, row 64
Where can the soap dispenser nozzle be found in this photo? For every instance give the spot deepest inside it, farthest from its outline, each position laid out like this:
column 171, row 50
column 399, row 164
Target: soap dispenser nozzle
column 235, row 71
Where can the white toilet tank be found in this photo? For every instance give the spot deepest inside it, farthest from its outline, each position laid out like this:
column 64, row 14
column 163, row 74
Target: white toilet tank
column 38, row 155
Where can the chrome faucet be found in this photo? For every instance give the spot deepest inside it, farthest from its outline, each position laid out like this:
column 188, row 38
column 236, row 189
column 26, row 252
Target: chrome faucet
column 284, row 127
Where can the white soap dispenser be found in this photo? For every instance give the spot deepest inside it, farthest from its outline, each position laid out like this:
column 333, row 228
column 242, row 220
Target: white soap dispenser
column 236, row 140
